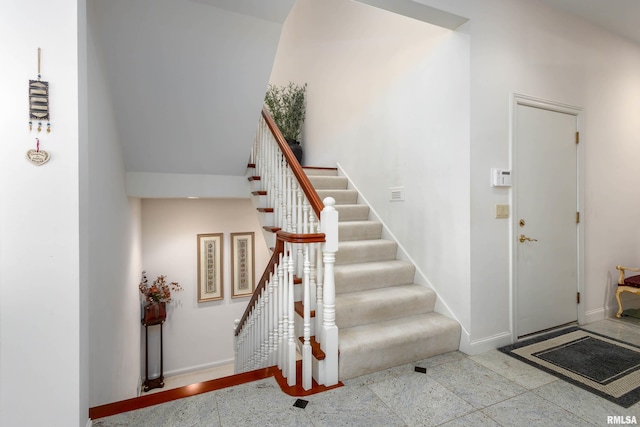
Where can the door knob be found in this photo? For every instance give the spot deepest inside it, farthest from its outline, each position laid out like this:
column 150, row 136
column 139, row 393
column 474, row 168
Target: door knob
column 524, row 238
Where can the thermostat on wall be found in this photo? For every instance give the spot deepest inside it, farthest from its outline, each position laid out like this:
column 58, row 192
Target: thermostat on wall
column 500, row 177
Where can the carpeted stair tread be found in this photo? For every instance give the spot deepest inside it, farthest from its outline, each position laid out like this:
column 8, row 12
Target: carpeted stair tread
column 352, row 212
column 328, row 182
column 377, row 305
column 376, row 346
column 366, row 251
column 359, row 230
column 342, row 197
column 373, row 275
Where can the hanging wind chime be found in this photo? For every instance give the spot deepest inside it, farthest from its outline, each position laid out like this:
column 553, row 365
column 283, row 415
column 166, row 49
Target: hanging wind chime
column 38, row 113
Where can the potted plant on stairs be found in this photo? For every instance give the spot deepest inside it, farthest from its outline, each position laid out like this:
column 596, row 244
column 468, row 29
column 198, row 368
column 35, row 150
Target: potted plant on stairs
column 287, row 107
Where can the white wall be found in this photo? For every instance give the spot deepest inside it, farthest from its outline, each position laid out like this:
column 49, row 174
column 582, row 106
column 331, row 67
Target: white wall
column 388, row 101
column 40, row 316
column 196, row 335
column 114, row 246
column 447, row 123
column 520, row 46
column 525, row 47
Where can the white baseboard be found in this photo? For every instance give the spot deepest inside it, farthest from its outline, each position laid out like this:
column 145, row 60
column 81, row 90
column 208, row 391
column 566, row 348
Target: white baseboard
column 198, row 367
column 485, row 344
column 599, row 314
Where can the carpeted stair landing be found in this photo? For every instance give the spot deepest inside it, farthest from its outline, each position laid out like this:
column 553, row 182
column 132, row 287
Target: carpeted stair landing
column 384, row 318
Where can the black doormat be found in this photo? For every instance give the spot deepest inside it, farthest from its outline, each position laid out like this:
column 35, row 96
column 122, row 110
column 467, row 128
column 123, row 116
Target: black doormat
column 604, row 366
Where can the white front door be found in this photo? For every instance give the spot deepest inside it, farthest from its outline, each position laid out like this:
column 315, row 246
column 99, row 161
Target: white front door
column 545, row 226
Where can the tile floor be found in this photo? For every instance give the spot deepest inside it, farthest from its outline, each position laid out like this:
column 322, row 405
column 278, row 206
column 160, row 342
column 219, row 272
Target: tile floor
column 176, row 381
column 489, row 389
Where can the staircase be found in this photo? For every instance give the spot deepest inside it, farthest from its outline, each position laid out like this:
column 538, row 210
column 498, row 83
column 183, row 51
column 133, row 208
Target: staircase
column 334, row 288
column 384, row 318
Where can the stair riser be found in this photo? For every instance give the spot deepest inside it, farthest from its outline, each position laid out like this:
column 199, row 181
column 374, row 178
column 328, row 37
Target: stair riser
column 265, row 218
column 269, row 238
column 328, row 182
column 355, row 312
column 397, row 346
column 373, row 277
column 311, row 171
column 368, row 230
column 342, row 197
column 259, row 201
column 255, row 185
column 353, row 212
column 382, row 251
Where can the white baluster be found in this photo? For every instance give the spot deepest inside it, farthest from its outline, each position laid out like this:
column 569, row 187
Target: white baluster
column 236, row 342
column 270, row 322
column 265, row 327
column 260, row 335
column 281, row 312
column 319, row 288
column 306, row 347
column 299, row 230
column 291, row 345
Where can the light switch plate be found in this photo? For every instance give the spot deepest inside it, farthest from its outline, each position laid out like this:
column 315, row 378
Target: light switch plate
column 502, row 211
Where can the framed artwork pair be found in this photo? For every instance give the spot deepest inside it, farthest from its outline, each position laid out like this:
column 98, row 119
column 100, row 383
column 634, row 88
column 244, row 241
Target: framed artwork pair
column 211, row 266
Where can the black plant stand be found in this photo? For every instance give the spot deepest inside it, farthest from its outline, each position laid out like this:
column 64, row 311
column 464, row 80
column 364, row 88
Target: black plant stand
column 158, row 382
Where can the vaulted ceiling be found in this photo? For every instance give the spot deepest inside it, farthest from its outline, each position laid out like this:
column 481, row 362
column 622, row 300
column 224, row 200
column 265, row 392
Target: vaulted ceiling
column 187, row 77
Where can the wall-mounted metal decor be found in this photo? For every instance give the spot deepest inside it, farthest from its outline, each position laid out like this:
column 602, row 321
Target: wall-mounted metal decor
column 39, row 101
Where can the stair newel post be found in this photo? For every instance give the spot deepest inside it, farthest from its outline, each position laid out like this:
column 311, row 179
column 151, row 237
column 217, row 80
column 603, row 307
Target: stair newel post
column 329, row 333
column 306, row 347
column 291, row 344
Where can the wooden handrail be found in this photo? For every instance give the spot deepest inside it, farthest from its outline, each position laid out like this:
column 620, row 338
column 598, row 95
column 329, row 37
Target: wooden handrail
column 279, row 249
column 281, row 238
column 299, row 238
column 303, row 180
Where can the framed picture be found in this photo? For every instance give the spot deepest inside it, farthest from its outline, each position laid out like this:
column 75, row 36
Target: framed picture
column 242, row 272
column 210, row 286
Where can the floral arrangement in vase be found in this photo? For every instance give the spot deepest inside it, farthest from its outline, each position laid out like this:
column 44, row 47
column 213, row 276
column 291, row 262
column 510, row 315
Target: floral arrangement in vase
column 159, row 290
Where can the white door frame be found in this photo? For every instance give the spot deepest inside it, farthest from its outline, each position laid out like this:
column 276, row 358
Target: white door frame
column 519, row 99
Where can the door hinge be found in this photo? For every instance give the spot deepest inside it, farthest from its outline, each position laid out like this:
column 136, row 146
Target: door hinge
column 577, row 137
column 578, row 297
column 577, row 217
